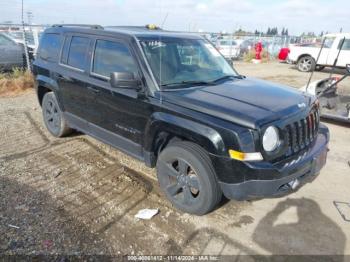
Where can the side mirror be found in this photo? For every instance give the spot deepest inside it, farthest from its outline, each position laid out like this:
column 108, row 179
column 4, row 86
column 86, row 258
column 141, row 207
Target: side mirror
column 348, row 68
column 124, row 80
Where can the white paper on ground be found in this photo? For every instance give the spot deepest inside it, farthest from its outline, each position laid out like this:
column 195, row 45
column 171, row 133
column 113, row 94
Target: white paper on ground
column 146, row 213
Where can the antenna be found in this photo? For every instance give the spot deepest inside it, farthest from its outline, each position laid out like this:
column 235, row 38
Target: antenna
column 25, row 41
column 160, row 55
column 318, row 57
column 164, row 20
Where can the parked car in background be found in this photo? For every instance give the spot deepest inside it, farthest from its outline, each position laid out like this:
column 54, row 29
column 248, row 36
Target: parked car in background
column 229, row 48
column 305, row 56
column 11, row 53
column 32, row 39
column 245, row 47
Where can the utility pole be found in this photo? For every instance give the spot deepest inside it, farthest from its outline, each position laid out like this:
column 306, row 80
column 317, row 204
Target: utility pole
column 25, row 41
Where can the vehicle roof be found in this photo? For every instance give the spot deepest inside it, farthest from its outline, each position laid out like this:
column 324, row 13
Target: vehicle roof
column 347, row 35
column 128, row 31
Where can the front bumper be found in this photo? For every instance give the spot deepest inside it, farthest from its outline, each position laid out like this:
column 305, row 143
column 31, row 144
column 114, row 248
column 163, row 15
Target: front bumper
column 248, row 180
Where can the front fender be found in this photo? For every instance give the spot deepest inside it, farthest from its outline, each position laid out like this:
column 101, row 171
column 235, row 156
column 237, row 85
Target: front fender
column 204, row 135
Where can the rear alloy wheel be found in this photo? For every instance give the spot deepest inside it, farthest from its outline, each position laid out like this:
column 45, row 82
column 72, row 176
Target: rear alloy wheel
column 306, row 64
column 53, row 117
column 187, row 178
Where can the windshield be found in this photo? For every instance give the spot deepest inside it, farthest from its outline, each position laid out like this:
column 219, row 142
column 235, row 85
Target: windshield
column 19, row 36
column 178, row 62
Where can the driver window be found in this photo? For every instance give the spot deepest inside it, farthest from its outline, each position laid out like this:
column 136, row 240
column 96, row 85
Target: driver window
column 112, row 57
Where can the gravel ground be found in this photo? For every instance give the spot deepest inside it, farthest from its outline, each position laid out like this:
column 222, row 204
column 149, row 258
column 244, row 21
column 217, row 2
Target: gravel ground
column 77, row 196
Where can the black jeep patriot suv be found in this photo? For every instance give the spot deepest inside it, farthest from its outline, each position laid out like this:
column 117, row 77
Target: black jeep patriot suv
column 171, row 100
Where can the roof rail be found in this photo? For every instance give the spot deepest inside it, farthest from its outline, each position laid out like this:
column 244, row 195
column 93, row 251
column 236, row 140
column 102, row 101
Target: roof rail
column 78, row 25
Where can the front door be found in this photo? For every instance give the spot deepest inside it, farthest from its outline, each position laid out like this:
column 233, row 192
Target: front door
column 124, row 112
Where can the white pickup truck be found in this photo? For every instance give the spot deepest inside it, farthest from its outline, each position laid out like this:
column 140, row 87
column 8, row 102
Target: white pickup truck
column 305, row 56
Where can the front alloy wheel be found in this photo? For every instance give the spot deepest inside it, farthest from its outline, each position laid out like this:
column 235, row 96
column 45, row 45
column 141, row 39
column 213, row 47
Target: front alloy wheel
column 186, row 176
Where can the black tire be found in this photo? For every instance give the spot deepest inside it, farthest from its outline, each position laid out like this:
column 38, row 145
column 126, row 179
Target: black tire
column 53, row 117
column 306, row 64
column 187, row 178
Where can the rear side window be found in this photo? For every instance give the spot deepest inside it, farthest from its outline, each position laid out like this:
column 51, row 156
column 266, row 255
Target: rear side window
column 77, row 51
column 50, row 46
column 112, row 57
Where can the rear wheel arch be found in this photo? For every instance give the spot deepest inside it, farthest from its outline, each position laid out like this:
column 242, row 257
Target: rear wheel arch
column 53, row 117
column 44, row 85
column 41, row 91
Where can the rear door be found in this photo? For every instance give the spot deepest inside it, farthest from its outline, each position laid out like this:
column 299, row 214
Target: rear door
column 79, row 101
column 11, row 53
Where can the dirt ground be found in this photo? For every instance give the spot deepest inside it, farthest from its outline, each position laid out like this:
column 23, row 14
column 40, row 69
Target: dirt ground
column 77, row 196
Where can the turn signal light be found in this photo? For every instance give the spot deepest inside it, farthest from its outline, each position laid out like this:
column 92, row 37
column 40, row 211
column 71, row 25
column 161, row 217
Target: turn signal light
column 237, row 155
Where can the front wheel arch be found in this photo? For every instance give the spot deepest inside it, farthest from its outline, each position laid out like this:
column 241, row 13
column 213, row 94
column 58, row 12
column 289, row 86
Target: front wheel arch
column 163, row 127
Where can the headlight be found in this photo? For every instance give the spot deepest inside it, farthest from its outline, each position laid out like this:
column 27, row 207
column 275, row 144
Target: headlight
column 271, row 139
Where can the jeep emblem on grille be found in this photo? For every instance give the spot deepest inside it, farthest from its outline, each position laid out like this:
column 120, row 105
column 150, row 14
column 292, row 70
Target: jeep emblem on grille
column 301, row 105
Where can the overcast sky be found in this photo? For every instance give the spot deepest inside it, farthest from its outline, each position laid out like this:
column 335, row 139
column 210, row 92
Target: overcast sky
column 207, row 15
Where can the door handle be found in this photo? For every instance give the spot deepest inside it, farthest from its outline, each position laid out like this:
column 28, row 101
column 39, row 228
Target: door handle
column 93, row 89
column 64, row 78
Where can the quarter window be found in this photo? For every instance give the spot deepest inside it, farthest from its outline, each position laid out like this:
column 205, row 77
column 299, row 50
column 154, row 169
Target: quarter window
column 112, row 57
column 50, row 46
column 77, row 52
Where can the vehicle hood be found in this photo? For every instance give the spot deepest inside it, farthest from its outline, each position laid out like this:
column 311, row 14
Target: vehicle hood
column 248, row 102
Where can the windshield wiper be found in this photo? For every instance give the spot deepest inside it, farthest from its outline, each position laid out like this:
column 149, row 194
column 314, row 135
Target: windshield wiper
column 228, row 77
column 188, row 83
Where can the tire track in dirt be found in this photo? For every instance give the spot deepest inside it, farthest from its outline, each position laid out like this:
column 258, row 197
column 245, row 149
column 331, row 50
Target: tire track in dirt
column 95, row 190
